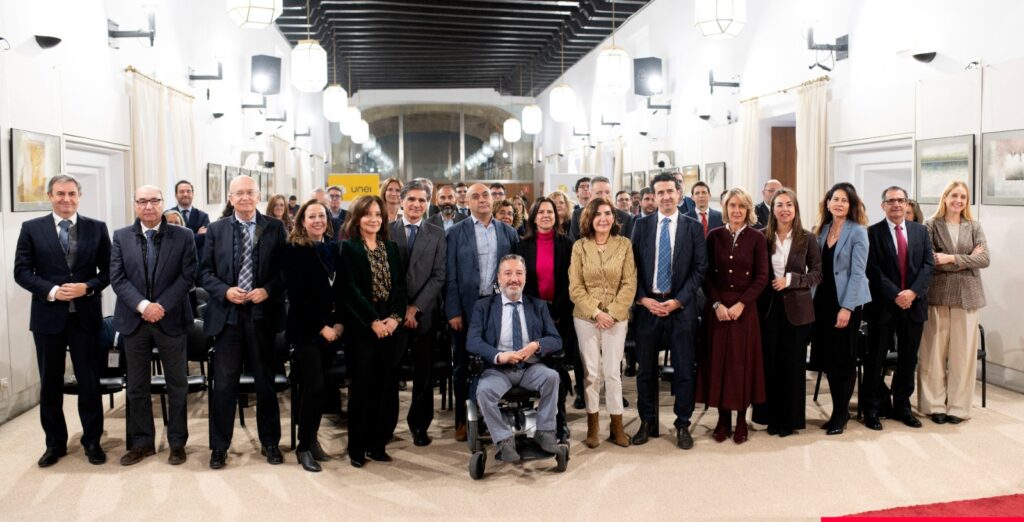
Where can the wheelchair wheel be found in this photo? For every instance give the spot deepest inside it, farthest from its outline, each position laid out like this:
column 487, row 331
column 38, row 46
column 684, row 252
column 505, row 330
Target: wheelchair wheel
column 562, row 458
column 473, row 436
column 477, row 462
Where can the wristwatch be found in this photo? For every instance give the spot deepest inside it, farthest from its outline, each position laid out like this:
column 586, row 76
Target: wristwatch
column 716, row 305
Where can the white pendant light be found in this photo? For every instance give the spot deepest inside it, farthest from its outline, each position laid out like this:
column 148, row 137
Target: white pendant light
column 254, row 14
column 350, row 121
column 613, row 67
column 533, row 119
column 562, row 103
column 720, row 19
column 495, row 140
column 335, row 103
column 512, row 130
column 361, row 133
column 309, row 62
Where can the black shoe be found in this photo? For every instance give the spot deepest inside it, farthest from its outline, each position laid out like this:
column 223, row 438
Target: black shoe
column 646, row 432
column 95, row 454
column 836, row 429
column 218, row 459
column 786, row 433
column 953, row 419
column 177, row 456
column 872, row 421
column 273, row 454
column 378, row 456
column 683, row 438
column 772, row 430
column 578, row 402
column 51, row 456
column 357, row 462
column 630, row 371
column 318, row 453
column 908, row 419
column 420, row 438
column 136, row 454
column 307, row 461
column 939, row 418
column 625, row 402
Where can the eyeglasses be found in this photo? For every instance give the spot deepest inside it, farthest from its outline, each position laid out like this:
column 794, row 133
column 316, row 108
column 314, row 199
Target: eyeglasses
column 155, row 202
column 895, row 201
column 244, row 193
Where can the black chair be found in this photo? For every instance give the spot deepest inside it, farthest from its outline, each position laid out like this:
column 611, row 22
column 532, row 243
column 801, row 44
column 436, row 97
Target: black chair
column 441, row 371
column 197, row 350
column 112, row 379
column 983, row 357
column 247, row 383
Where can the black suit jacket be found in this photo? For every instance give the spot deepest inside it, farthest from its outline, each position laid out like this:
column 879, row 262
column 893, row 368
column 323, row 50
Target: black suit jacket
column 174, row 275
column 313, row 302
column 39, row 265
column 196, row 218
column 689, row 261
column 425, row 269
column 761, row 209
column 884, row 273
column 357, row 284
column 561, row 307
column 624, row 219
column 219, row 271
column 438, row 221
column 714, row 218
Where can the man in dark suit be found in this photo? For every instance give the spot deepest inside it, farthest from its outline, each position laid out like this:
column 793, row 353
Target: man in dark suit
column 686, row 204
column 63, row 259
column 708, row 217
column 448, row 214
column 601, row 188
column 475, row 246
column 461, row 204
column 761, row 209
column 424, row 254
column 336, row 214
column 195, row 220
column 899, row 270
column 152, row 268
column 512, row 332
column 582, row 190
column 670, row 261
column 241, row 270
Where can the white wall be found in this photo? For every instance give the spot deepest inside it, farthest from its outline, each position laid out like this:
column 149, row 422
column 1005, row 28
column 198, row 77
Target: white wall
column 80, row 89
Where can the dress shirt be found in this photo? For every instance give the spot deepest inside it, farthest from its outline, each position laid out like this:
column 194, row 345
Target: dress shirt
column 145, row 302
column 487, row 253
column 892, row 233
column 781, row 256
column 56, row 227
column 505, row 338
column 672, row 225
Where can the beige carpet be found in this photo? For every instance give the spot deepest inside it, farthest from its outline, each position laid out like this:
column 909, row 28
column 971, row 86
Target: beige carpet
column 806, row 475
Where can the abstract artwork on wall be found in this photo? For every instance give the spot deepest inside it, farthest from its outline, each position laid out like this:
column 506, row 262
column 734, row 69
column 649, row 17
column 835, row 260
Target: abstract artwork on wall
column 214, row 183
column 639, row 180
column 714, row 176
column 230, row 173
column 940, row 161
column 691, row 174
column 35, row 158
column 1002, row 168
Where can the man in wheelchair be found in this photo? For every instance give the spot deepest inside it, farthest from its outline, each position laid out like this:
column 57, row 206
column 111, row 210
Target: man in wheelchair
column 511, row 332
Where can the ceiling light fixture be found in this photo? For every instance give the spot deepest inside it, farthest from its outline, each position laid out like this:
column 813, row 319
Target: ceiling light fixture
column 309, row 62
column 720, row 19
column 562, row 100
column 335, row 99
column 254, row 14
column 512, row 130
column 352, row 115
column 532, row 116
column 613, row 65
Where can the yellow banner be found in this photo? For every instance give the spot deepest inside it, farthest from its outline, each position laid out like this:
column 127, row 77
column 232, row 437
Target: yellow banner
column 356, row 184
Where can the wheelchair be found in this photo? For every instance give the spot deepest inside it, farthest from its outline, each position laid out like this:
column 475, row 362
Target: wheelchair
column 517, row 408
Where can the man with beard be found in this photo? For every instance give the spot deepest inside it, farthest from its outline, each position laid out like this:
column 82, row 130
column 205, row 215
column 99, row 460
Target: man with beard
column 448, row 214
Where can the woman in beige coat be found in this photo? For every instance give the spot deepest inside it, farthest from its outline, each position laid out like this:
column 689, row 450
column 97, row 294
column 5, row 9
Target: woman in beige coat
column 602, row 285
column 949, row 347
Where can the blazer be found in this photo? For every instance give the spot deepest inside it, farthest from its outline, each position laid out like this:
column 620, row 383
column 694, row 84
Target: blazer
column 313, row 302
column 438, row 221
column 425, row 270
column 958, row 284
column 761, row 209
column 337, row 223
column 357, row 284
column 714, row 218
column 804, row 268
column 196, row 218
column 849, row 264
column 219, row 271
column 686, row 205
column 689, row 260
column 485, row 328
column 173, row 276
column 602, row 281
column 462, row 276
column 736, row 274
column 884, row 274
column 561, row 307
column 40, row 265
column 624, row 219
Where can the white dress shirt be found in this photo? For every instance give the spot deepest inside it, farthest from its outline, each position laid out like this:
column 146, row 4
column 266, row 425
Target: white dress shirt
column 781, row 256
column 505, row 337
column 892, row 234
column 52, row 296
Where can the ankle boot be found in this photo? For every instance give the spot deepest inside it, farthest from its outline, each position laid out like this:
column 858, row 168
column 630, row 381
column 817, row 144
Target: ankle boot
column 593, row 440
column 617, row 432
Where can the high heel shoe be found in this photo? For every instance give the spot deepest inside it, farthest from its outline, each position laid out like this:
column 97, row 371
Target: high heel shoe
column 836, row 428
column 307, row 461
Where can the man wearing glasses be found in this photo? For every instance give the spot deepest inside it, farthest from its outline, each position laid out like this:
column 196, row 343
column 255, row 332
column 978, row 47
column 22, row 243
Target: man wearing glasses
column 335, row 194
column 241, row 270
column 761, row 209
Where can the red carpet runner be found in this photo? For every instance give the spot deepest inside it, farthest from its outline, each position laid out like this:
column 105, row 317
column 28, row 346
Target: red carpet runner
column 1005, row 506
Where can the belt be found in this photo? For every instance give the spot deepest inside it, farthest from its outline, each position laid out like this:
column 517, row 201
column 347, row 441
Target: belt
column 662, row 296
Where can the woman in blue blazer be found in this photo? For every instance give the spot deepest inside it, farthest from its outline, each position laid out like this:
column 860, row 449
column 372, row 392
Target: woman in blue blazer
column 839, row 299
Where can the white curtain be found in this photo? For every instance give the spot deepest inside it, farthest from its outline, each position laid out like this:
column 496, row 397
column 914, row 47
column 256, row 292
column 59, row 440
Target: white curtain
column 182, row 143
column 811, row 146
column 746, row 160
column 163, row 138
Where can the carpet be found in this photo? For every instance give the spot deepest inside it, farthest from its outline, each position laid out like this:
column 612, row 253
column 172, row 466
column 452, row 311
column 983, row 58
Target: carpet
column 1003, row 506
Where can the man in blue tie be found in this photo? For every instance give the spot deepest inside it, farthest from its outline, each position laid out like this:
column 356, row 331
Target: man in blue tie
column 512, row 332
column 671, row 259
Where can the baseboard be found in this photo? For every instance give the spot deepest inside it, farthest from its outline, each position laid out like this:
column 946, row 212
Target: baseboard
column 19, row 403
column 1004, row 377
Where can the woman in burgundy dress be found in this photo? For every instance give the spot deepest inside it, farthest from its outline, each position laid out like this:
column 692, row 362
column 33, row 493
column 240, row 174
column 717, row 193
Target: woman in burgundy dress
column 731, row 375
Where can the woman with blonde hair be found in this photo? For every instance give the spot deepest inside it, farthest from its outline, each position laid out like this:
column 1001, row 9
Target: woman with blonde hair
column 391, row 194
column 949, row 345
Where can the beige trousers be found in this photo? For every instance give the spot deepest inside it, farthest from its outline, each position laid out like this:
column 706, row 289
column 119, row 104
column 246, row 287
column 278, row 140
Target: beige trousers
column 948, row 361
column 601, row 352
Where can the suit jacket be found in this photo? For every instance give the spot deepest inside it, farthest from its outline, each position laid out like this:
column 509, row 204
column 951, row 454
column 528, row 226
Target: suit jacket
column 761, row 209
column 884, row 273
column 313, row 302
column 432, row 210
column 485, row 328
column 438, row 221
column 561, row 307
column 624, row 219
column 337, row 223
column 714, row 218
column 686, row 205
column 689, row 260
column 462, row 275
column 602, row 282
column 173, row 276
column 804, row 268
column 425, row 270
column 196, row 218
column 357, row 284
column 40, row 264
column 958, row 284
column 849, row 264
column 220, row 266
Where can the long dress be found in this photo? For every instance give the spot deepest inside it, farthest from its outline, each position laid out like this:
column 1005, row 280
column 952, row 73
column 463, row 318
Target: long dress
column 731, row 370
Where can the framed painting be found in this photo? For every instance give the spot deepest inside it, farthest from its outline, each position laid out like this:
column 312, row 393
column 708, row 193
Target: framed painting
column 939, row 161
column 214, row 183
column 35, row 158
column 714, row 176
column 639, row 180
column 627, row 182
column 1002, row 168
column 691, row 175
column 230, row 173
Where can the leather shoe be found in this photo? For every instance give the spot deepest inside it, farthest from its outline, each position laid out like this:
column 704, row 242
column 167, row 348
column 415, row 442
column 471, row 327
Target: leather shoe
column 646, row 432
column 953, row 419
column 51, row 456
column 772, row 430
column 95, row 454
column 273, row 454
column 873, row 422
column 460, row 433
column 740, row 435
column 357, row 462
column 318, row 453
column 908, row 419
column 420, row 438
column 307, row 461
column 939, row 418
column 177, row 456
column 683, row 438
column 578, row 402
column 835, row 430
column 218, row 459
column 630, row 371
column 136, row 454
column 378, row 456
column 786, row 433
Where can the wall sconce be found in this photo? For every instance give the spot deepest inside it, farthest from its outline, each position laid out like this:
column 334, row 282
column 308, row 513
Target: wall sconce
column 297, row 135
column 658, row 106
column 841, row 48
column 46, row 42
column 608, row 123
column 113, row 33
column 4, row 44
column 206, row 77
column 925, row 57
column 262, row 105
column 282, row 118
column 712, row 83
column 580, row 134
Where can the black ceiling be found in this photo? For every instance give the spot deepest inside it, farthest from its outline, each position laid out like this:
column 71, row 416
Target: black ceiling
column 439, row 44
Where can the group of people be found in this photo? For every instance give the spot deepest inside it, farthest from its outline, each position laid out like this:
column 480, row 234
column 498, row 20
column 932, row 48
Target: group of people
column 734, row 296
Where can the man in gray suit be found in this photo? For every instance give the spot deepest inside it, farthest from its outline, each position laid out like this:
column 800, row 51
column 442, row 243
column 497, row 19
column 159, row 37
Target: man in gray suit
column 152, row 268
column 424, row 254
column 448, row 214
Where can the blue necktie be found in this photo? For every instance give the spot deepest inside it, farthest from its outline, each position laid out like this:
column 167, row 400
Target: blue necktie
column 63, row 236
column 245, row 264
column 664, row 259
column 412, row 235
column 517, row 330
column 150, row 252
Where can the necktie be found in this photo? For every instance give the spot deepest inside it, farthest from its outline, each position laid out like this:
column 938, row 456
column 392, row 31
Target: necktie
column 150, row 252
column 245, row 268
column 517, row 326
column 184, row 215
column 65, row 241
column 664, row 277
column 704, row 221
column 411, row 235
column 901, row 255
